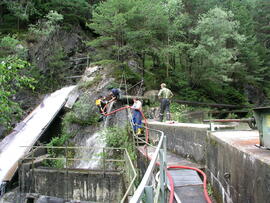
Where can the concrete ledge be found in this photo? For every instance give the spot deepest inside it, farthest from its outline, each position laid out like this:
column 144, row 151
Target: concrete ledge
column 187, row 140
column 237, row 169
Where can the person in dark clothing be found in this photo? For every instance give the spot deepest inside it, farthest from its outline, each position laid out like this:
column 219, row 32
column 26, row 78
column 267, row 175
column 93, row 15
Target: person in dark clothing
column 116, row 93
column 164, row 95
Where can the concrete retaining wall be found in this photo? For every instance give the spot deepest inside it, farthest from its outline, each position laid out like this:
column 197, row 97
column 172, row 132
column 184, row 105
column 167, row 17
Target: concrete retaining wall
column 237, row 168
column 188, row 140
column 238, row 171
column 91, row 186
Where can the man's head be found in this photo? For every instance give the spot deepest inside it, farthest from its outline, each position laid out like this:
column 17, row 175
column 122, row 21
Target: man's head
column 163, row 85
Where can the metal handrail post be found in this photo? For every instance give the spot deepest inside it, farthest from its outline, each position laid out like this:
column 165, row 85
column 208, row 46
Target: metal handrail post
column 146, row 178
column 131, row 185
column 19, row 179
column 165, row 162
column 149, row 194
column 103, row 160
column 33, row 176
column 161, row 175
column 66, row 170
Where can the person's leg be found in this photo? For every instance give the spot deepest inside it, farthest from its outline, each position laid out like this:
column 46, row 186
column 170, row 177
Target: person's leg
column 134, row 122
column 167, row 110
column 138, row 119
column 162, row 108
column 99, row 109
column 139, row 122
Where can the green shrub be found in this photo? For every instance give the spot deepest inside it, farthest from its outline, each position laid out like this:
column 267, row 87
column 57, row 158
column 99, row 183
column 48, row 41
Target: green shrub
column 57, row 163
column 46, row 26
column 119, row 138
column 10, row 45
column 83, row 113
column 232, row 116
column 12, row 80
column 104, row 62
column 116, row 137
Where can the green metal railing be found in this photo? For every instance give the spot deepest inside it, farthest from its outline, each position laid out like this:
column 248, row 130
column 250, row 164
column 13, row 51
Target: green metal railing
column 62, row 158
column 147, row 190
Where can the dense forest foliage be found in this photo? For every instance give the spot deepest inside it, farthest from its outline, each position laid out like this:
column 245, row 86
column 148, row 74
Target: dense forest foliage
column 205, row 50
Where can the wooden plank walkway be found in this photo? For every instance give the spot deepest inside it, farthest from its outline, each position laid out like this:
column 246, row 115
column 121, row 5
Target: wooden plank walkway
column 188, row 185
column 28, row 132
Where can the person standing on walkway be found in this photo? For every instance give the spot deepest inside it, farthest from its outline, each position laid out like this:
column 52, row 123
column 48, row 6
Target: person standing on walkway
column 164, row 95
column 137, row 116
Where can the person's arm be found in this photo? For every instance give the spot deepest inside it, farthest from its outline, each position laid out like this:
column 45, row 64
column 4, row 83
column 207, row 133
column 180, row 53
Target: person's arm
column 113, row 98
column 159, row 93
column 171, row 94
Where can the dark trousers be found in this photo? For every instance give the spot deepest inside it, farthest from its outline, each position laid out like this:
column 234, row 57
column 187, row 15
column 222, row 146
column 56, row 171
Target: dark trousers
column 137, row 120
column 164, row 107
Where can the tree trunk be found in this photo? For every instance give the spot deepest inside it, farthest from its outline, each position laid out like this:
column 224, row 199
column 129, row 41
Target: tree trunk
column 143, row 65
column 18, row 23
column 1, row 13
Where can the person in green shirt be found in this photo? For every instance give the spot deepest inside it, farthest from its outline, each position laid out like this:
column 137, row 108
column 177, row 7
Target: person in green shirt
column 164, row 95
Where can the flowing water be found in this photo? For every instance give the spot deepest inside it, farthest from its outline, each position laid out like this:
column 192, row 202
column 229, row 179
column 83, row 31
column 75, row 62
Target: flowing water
column 91, row 153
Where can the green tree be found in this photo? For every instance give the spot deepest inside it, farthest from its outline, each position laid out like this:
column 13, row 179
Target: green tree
column 129, row 28
column 215, row 55
column 10, row 45
column 12, row 78
column 46, row 26
column 73, row 11
column 57, row 68
column 22, row 10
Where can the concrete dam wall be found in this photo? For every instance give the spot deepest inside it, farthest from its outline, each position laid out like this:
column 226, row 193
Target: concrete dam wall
column 238, row 170
column 83, row 185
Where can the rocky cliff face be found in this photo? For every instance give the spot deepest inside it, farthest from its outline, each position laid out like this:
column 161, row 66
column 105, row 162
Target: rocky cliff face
column 71, row 43
column 40, row 53
column 95, row 82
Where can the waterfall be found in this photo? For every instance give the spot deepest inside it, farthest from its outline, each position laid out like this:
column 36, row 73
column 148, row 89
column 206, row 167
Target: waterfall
column 91, row 153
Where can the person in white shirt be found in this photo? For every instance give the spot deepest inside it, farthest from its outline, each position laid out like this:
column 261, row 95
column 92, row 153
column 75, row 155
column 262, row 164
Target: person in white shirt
column 137, row 116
